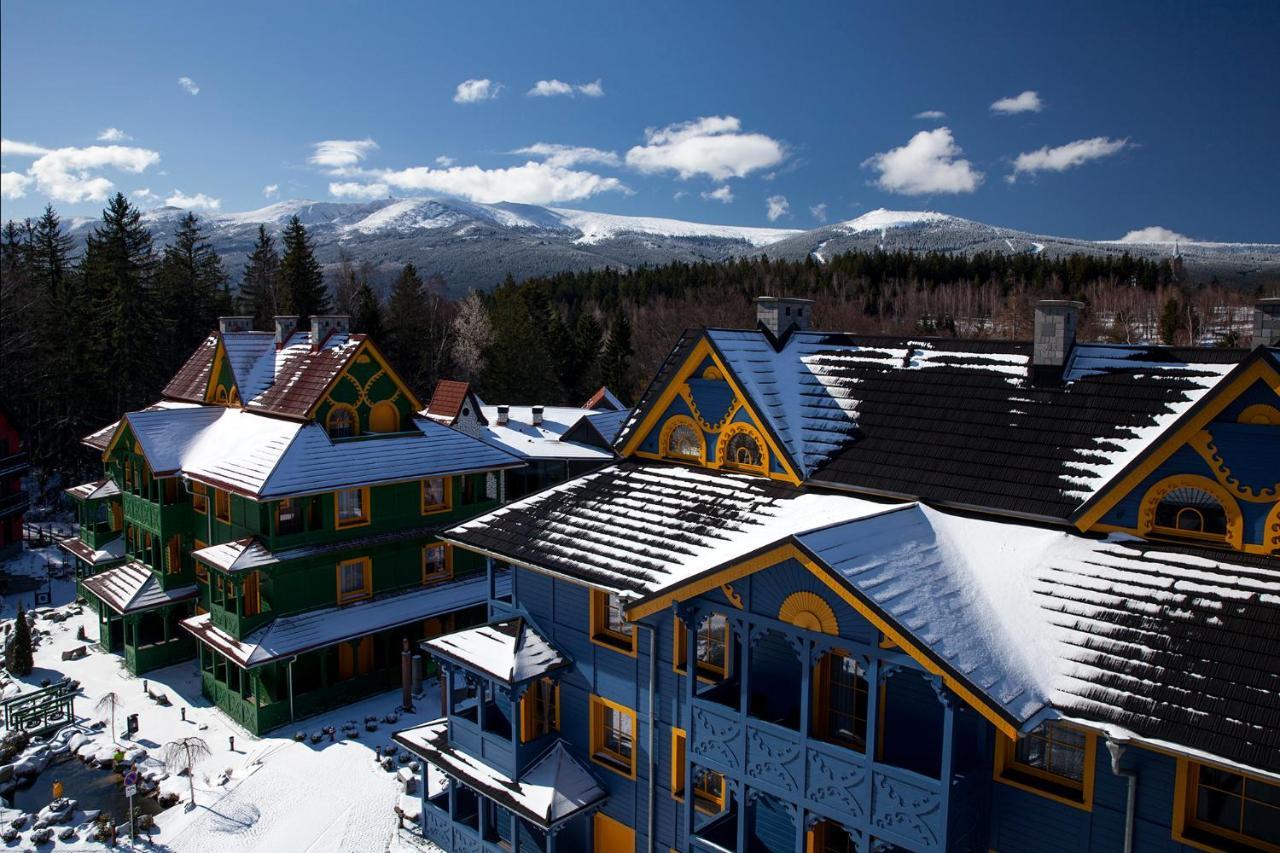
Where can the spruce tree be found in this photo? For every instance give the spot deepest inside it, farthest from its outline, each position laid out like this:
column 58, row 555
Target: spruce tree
column 518, row 367
column 190, row 293
column 588, row 336
column 406, row 332
column 20, row 660
column 302, row 289
column 19, row 322
column 260, row 285
column 366, row 313
column 616, row 370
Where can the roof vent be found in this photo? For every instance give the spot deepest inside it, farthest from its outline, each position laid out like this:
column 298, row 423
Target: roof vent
column 322, row 325
column 503, row 412
column 780, row 314
column 1055, row 335
column 286, row 325
column 537, row 416
column 227, row 325
column 1266, row 322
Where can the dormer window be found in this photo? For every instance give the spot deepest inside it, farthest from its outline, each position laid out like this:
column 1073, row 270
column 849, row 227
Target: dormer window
column 681, row 439
column 741, row 448
column 341, row 422
column 1191, row 510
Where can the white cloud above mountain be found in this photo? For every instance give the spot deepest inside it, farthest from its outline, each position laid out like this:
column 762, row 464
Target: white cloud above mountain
column 14, row 184
column 931, row 115
column 188, row 85
column 819, row 212
column 271, row 190
column 776, row 207
column 70, row 174
column 1154, row 234
column 553, row 88
column 930, row 162
column 1063, row 157
column 711, row 146
column 339, row 154
column 722, row 194
column 357, row 190
column 199, row 201
column 474, row 91
column 568, row 155
column 530, row 183
column 114, row 134
column 1027, row 102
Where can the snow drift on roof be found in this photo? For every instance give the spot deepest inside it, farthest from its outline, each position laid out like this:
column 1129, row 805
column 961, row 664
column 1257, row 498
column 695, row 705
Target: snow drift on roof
column 511, row 651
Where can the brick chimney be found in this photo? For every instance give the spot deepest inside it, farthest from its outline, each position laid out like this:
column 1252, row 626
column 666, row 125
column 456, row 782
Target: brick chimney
column 286, row 325
column 503, row 413
column 1054, row 336
column 1266, row 322
column 537, row 416
column 322, row 325
column 227, row 325
column 779, row 314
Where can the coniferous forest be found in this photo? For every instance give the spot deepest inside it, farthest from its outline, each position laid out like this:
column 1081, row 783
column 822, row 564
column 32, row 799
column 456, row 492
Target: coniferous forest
column 88, row 334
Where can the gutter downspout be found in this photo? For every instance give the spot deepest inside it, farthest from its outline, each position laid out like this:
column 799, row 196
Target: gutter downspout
column 1117, row 749
column 290, row 673
column 653, row 679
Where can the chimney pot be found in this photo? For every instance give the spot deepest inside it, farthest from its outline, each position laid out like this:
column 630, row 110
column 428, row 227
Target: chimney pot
column 1266, row 322
column 503, row 411
column 286, row 325
column 779, row 314
column 537, row 416
column 322, row 325
column 227, row 325
column 1054, row 336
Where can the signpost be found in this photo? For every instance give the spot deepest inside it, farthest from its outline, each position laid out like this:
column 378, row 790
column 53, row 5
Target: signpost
column 130, row 789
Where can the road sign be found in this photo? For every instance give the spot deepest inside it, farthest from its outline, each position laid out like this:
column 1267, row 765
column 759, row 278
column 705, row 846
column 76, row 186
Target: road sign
column 130, row 790
column 131, row 779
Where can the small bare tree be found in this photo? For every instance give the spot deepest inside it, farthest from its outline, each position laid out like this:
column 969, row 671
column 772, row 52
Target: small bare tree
column 107, row 704
column 183, row 756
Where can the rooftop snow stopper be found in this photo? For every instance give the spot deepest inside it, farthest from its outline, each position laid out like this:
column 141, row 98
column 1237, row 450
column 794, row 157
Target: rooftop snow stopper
column 779, row 314
column 1266, row 322
column 1054, row 336
column 227, row 325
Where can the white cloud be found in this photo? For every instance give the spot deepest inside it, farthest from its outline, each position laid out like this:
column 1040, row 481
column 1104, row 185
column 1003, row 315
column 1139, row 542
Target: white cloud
column 189, row 85
column 531, row 183
column 679, row 194
column 711, row 146
column 819, row 212
column 113, row 134
column 471, row 91
column 13, row 184
column 1064, row 157
column 271, row 190
column 931, row 115
column 352, row 189
column 722, row 194
column 1154, row 234
column 340, row 154
column 777, row 207
column 568, row 155
column 926, row 164
column 68, row 174
column 442, row 160
column 199, row 201
column 1027, row 102
column 145, row 195
column 552, row 88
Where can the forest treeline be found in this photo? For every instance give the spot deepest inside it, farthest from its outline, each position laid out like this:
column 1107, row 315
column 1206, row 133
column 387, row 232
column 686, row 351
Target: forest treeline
column 87, row 335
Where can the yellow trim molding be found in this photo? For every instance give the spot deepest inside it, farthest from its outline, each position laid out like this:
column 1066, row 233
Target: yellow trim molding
column 810, row 611
column 1008, row 769
column 1147, row 510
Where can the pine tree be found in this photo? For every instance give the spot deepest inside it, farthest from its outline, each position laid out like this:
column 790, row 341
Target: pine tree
column 367, row 313
column 1170, row 321
column 616, row 369
column 588, row 336
column 302, row 289
column 19, row 322
column 260, row 284
column 518, row 366
column 407, row 326
column 20, row 660
column 190, row 292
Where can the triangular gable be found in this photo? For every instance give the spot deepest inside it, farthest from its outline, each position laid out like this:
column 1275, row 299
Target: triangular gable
column 365, row 353
column 1246, row 400
column 693, row 394
column 221, row 389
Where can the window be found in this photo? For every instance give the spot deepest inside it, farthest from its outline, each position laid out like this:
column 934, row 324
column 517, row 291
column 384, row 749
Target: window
column 222, row 505
column 708, row 785
column 437, row 563
column 682, row 440
column 830, row 837
column 128, row 474
column 1190, row 510
column 341, row 422
column 469, row 489
column 1055, row 760
column 612, row 736
column 712, row 643
column 540, row 709
column 173, row 555
column 1226, row 809
column 609, row 625
column 200, row 498
column 383, row 417
column 252, row 595
column 288, row 517
column 435, row 495
column 202, row 571
column 840, row 701
column 355, row 580
column 352, row 507
column 740, row 447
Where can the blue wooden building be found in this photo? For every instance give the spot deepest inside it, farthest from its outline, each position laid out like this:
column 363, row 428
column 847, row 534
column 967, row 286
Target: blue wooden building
column 846, row 593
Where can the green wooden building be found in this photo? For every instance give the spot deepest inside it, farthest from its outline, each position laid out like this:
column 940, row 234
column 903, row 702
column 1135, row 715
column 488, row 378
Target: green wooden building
column 275, row 516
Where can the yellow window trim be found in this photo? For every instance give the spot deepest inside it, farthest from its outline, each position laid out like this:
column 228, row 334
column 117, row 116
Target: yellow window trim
column 222, row 505
column 611, row 761
column 365, row 591
column 447, row 572
column 368, row 350
column 364, row 506
column 722, row 448
column 678, row 741
column 342, row 407
column 707, row 673
column 447, row 502
column 1006, row 764
column 1147, row 510
column 602, row 636
column 1186, row 780
column 384, row 414
column 527, row 732
column 664, row 438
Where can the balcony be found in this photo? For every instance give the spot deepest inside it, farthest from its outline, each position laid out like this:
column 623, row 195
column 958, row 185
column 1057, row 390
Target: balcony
column 99, row 534
column 14, row 463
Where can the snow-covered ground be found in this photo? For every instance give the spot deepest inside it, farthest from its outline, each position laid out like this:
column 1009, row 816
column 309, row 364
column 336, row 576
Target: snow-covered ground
column 268, row 794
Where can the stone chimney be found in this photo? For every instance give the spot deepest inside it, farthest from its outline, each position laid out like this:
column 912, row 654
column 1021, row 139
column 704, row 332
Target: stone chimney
column 1055, row 335
column 227, row 325
column 286, row 325
column 322, row 325
column 503, row 412
column 537, row 416
column 1266, row 322
column 779, row 314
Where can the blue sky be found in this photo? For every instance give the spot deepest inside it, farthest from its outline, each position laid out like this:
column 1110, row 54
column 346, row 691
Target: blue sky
column 1114, row 116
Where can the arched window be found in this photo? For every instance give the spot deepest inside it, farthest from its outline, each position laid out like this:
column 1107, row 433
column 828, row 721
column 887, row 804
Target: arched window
column 233, row 399
column 681, row 439
column 384, row 418
column 1191, row 510
column 220, row 396
column 740, row 447
column 341, row 422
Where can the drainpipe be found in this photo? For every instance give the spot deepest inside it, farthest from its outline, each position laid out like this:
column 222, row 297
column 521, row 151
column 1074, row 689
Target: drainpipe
column 653, row 680
column 290, row 675
column 1117, row 748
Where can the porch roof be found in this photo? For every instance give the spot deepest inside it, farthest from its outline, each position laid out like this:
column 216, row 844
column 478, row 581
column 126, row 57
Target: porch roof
column 242, row 555
column 511, row 651
column 287, row 636
column 133, row 588
column 555, row 788
column 94, row 491
column 81, row 550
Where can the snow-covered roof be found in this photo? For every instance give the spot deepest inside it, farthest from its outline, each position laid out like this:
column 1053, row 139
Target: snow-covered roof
column 520, row 436
column 639, row 528
column 554, row 788
column 111, row 552
column 242, row 555
column 94, row 491
column 133, row 587
column 511, row 651
column 604, row 400
column 286, row 636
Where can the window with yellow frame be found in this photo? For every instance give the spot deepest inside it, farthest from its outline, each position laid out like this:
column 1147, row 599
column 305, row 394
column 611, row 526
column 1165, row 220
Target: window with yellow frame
column 437, row 495
column 222, row 505
column 1054, row 760
column 351, row 507
column 202, row 571
column 713, row 647
column 681, row 439
column 613, row 729
column 200, row 498
column 708, row 785
column 354, row 580
column 609, row 626
column 742, row 449
column 1218, row 809
column 539, row 710
column 342, row 421
column 437, row 562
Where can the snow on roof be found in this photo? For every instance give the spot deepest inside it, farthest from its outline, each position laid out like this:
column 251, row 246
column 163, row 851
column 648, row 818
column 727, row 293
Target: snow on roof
column 242, row 555
column 94, row 491
column 604, row 400
column 289, row 381
column 249, row 553
column 252, row 357
column 541, row 441
column 511, row 651
column 286, row 636
column 111, row 552
column 133, row 587
column 554, row 788
column 639, row 528
column 447, row 399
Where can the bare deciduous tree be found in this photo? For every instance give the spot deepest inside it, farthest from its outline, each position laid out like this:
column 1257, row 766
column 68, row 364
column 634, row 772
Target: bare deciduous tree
column 183, row 756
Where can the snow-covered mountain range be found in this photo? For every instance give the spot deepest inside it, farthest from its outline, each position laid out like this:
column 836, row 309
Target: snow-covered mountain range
column 476, row 245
